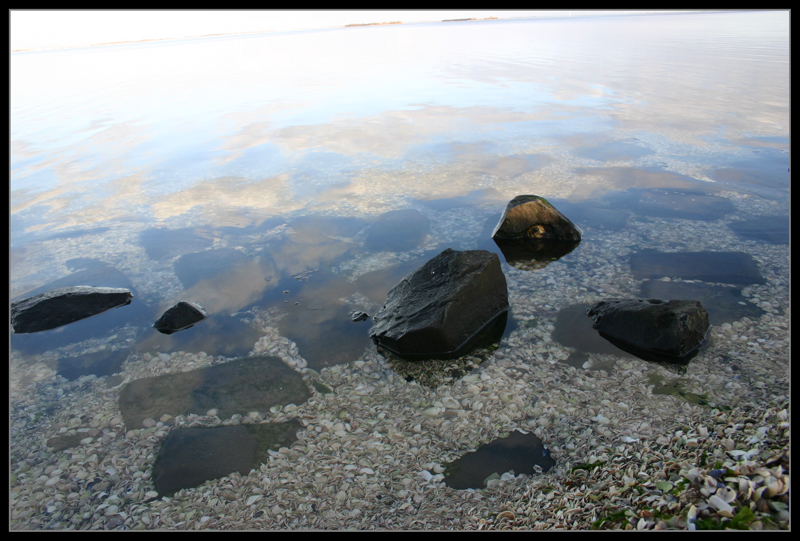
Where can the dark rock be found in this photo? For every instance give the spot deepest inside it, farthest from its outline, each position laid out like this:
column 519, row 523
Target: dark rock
column 191, row 456
column 722, row 267
column 239, row 386
column 652, row 328
column 355, row 316
column 181, row 316
column 518, row 453
column 530, row 217
column 64, row 305
column 397, row 231
column 437, row 309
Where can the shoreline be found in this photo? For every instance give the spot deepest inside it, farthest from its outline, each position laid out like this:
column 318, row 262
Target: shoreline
column 353, row 25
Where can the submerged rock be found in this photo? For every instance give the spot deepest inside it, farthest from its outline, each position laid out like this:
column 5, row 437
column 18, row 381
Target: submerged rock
column 650, row 328
column 64, row 305
column 436, row 310
column 181, row 316
column 239, row 386
column 191, row 456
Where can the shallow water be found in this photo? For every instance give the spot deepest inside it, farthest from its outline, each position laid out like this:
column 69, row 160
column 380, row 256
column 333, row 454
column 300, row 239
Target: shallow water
column 263, row 176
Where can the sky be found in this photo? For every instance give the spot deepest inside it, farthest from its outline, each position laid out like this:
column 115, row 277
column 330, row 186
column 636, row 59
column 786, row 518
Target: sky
column 33, row 29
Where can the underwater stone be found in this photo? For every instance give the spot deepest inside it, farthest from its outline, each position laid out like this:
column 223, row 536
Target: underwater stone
column 239, row 386
column 191, row 456
column 673, row 328
column 435, row 310
column 64, row 305
column 181, row 316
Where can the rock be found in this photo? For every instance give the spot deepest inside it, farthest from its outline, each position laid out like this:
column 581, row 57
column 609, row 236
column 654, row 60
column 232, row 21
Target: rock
column 64, row 305
column 650, row 328
column 235, row 387
column 397, row 231
column 355, row 316
column 191, row 456
column 532, row 233
column 530, row 217
column 181, row 316
column 436, row 310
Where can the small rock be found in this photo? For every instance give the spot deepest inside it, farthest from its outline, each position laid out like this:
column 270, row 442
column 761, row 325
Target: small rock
column 181, row 316
column 356, row 316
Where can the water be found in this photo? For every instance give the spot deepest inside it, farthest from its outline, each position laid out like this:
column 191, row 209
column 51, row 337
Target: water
column 246, row 173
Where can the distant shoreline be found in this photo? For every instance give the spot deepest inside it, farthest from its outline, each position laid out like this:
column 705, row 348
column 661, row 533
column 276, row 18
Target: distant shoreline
column 255, row 32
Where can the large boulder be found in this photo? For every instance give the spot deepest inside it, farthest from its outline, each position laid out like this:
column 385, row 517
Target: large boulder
column 532, row 233
column 181, row 316
column 436, row 310
column 64, row 305
column 650, row 328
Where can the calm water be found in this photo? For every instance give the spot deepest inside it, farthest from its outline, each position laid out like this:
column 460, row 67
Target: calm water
column 249, row 172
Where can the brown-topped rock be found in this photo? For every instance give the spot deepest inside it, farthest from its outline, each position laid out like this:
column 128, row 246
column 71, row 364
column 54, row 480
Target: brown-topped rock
column 530, row 217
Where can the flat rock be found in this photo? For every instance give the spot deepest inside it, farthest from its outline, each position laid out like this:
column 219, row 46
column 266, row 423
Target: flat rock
column 721, row 267
column 239, row 386
column 652, row 328
column 191, row 456
column 181, row 316
column 437, row 309
column 63, row 306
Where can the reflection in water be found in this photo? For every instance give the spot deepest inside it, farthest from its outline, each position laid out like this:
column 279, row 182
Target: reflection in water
column 218, row 172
